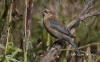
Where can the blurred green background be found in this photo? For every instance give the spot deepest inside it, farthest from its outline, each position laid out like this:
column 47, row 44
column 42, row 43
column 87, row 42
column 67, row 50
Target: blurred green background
column 87, row 36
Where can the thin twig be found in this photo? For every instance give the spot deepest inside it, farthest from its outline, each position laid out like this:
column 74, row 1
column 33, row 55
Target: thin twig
column 89, row 15
column 25, row 39
column 82, row 46
column 28, row 13
column 97, row 59
column 9, row 20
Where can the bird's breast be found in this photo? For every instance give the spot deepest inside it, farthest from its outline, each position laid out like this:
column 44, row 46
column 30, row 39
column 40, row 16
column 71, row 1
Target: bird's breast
column 46, row 24
column 50, row 30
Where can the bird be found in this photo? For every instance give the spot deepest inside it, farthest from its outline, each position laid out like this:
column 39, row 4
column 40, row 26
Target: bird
column 56, row 29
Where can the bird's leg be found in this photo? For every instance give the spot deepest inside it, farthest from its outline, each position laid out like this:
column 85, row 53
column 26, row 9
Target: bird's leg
column 58, row 42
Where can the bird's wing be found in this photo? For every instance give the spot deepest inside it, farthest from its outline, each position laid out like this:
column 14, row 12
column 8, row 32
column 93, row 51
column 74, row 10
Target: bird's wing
column 55, row 24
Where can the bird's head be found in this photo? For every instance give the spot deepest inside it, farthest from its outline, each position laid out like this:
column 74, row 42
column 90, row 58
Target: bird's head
column 46, row 12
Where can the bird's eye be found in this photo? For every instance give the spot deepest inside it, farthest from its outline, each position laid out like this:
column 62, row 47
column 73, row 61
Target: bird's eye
column 45, row 11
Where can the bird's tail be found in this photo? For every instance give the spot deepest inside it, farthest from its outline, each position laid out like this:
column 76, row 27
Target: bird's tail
column 69, row 40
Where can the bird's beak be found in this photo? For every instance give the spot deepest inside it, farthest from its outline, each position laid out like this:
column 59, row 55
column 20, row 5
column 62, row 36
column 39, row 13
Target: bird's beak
column 41, row 11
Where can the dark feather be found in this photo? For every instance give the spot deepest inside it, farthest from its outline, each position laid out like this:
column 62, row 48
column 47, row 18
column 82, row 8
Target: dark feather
column 55, row 24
